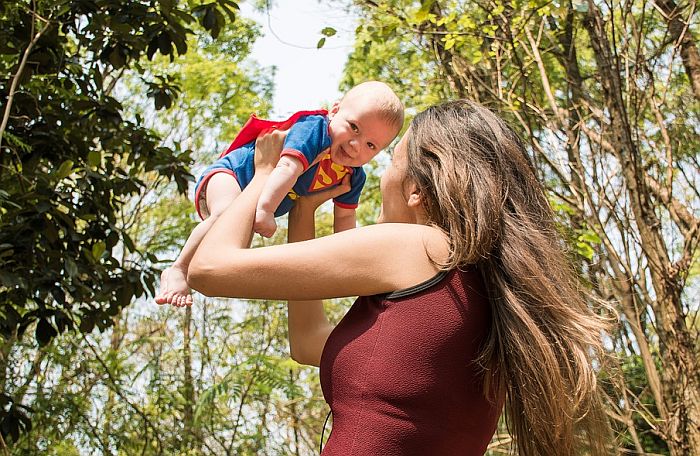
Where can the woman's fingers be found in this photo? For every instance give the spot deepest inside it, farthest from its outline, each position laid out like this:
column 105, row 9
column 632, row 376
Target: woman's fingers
column 343, row 187
column 268, row 147
column 315, row 199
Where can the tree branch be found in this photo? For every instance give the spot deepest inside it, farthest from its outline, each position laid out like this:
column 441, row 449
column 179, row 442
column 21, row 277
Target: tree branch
column 17, row 76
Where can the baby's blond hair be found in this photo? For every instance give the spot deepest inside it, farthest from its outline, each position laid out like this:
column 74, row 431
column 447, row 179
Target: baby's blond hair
column 386, row 103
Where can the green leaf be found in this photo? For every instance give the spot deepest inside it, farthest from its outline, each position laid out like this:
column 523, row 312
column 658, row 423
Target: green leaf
column 166, row 5
column 165, row 44
column 98, row 249
column 209, row 19
column 117, row 57
column 477, row 56
column 328, row 31
column 584, row 250
column 64, row 170
column 423, row 13
column 87, row 324
column 320, row 43
column 94, row 158
column 128, row 243
column 71, row 267
column 590, row 237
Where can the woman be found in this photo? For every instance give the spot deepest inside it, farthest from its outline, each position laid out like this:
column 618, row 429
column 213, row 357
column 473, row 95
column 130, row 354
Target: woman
column 467, row 303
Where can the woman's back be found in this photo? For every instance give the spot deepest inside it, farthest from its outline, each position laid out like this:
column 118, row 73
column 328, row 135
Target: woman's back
column 399, row 373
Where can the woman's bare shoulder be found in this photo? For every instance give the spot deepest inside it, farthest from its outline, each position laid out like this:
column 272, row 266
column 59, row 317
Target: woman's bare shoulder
column 407, row 251
column 413, row 237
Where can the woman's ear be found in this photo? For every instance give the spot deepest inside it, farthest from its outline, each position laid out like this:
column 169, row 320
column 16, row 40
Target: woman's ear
column 414, row 196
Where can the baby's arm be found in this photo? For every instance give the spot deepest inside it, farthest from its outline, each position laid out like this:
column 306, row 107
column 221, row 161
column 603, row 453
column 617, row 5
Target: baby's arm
column 279, row 183
column 343, row 219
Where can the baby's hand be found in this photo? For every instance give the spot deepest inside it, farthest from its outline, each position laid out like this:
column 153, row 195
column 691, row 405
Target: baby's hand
column 265, row 223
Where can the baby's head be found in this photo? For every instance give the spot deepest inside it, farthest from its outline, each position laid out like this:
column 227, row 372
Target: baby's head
column 364, row 122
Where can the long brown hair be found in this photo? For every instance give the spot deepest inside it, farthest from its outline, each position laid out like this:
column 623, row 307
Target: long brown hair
column 479, row 186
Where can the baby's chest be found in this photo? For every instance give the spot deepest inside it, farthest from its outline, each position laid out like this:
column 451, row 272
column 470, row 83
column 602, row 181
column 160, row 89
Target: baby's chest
column 322, row 174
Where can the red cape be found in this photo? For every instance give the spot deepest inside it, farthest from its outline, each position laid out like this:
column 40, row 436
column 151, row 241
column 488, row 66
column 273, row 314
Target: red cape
column 255, row 125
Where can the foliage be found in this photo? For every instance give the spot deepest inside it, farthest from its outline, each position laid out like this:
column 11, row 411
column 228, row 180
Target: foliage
column 70, row 159
column 606, row 97
column 112, row 105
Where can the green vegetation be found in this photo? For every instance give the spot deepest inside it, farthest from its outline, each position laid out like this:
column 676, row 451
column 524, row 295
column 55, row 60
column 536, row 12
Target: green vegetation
column 106, row 105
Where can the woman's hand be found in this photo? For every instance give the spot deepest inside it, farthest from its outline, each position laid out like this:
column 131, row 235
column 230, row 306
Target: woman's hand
column 301, row 217
column 314, row 199
column 268, row 147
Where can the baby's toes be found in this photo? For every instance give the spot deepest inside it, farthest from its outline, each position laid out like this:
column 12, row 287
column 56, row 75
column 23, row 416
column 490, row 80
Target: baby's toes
column 170, row 297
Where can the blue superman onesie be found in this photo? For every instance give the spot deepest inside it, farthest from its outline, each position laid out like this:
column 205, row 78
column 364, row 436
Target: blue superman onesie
column 307, row 140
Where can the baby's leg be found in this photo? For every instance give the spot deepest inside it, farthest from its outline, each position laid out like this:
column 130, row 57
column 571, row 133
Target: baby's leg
column 221, row 189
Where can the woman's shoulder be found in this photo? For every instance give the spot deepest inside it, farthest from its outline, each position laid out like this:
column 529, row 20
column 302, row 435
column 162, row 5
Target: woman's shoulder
column 409, row 252
column 408, row 235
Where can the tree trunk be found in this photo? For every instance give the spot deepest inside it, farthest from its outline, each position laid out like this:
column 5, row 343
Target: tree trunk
column 188, row 413
column 679, row 365
column 114, row 343
column 681, row 34
column 5, row 350
column 295, row 417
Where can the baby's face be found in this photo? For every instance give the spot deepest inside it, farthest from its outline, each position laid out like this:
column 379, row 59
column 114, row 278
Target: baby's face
column 357, row 133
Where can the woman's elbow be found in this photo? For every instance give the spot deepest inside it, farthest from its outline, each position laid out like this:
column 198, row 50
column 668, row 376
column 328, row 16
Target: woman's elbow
column 301, row 356
column 304, row 360
column 199, row 277
column 211, row 275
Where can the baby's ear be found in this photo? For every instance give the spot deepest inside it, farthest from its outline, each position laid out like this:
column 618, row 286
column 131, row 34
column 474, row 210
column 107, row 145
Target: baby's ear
column 334, row 108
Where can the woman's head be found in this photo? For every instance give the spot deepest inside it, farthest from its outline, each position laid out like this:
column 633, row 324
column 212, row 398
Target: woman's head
column 470, row 168
column 475, row 182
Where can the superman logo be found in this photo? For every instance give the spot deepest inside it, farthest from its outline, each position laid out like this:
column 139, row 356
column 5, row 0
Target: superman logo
column 328, row 173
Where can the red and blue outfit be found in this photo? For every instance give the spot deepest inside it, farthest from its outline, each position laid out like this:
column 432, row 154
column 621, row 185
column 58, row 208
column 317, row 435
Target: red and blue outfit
column 400, row 374
column 308, row 141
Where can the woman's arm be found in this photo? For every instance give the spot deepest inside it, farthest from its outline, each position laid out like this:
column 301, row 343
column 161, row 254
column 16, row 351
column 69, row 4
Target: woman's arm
column 308, row 326
column 363, row 261
column 343, row 218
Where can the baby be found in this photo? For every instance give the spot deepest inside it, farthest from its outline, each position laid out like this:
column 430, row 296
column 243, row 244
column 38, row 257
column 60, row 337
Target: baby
column 320, row 149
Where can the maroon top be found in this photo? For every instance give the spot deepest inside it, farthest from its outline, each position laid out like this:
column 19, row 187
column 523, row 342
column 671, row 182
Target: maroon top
column 399, row 375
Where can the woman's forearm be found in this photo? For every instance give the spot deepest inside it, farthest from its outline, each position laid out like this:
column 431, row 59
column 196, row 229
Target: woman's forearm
column 233, row 230
column 308, row 326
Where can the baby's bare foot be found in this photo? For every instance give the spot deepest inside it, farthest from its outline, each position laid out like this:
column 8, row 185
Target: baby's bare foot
column 173, row 288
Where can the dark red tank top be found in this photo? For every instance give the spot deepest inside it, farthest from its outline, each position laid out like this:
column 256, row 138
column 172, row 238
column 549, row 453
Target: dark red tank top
column 399, row 374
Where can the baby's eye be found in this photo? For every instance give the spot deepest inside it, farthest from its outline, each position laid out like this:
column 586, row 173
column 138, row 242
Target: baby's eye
column 371, row 146
column 353, row 127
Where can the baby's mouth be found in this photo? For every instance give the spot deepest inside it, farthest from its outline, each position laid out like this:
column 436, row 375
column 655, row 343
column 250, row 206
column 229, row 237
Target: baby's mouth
column 344, row 155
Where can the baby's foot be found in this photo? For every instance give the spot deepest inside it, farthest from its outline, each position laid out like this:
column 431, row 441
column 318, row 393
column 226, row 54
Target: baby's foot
column 265, row 223
column 173, row 288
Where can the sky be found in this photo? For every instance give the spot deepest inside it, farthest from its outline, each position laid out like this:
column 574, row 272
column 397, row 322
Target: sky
column 306, row 77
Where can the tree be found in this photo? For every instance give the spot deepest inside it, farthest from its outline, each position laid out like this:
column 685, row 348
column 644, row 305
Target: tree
column 606, row 96
column 70, row 158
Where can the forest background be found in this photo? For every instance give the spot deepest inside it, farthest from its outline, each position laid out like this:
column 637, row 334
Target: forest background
column 107, row 104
